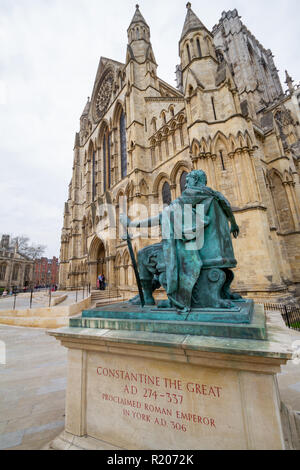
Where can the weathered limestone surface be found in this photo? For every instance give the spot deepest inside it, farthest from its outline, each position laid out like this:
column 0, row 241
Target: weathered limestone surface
column 137, row 390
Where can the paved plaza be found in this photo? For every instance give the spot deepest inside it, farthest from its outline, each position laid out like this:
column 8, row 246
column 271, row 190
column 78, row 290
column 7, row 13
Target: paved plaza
column 33, row 384
column 32, row 388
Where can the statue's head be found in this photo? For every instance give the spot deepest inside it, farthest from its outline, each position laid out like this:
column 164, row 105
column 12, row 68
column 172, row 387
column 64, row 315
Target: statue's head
column 196, row 178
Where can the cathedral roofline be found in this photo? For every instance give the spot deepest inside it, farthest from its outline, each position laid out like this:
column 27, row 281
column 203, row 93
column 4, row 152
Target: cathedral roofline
column 112, row 60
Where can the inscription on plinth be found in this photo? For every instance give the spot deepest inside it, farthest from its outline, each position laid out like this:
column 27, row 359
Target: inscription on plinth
column 147, row 404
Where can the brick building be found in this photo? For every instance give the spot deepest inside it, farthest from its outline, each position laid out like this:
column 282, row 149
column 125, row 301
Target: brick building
column 46, row 271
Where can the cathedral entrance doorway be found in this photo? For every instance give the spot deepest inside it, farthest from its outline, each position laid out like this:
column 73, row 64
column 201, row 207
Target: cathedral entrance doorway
column 97, row 261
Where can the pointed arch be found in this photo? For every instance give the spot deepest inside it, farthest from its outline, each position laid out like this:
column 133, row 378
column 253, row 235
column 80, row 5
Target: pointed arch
column 232, row 144
column 153, row 125
column 163, row 116
column 195, row 148
column 172, row 110
column 218, row 139
column 158, row 181
column 179, row 168
column 241, row 140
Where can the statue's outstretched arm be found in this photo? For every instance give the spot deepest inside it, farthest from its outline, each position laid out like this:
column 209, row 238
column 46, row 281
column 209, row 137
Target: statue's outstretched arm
column 152, row 222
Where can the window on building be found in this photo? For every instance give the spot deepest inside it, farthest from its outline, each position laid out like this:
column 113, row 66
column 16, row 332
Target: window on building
column 214, row 108
column 222, row 161
column 183, row 181
column 166, row 194
column 188, row 52
column 198, row 47
column 123, row 142
column 109, row 158
column 94, row 176
column 106, row 160
column 15, row 272
column 2, row 272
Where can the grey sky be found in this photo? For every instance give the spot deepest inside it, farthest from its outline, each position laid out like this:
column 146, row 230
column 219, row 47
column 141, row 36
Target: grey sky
column 49, row 53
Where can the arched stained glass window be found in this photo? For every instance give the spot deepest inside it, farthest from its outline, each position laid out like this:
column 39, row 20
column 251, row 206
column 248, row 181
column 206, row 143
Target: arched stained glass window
column 166, row 194
column 123, row 145
column 108, row 158
column 94, row 176
column 104, row 162
column 183, row 181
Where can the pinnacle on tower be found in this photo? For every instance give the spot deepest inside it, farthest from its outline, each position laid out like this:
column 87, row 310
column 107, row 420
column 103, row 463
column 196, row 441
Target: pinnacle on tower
column 289, row 81
column 288, row 77
column 87, row 107
column 138, row 17
column 192, row 22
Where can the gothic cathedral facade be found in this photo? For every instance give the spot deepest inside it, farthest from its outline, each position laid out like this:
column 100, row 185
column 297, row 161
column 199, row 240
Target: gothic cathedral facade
column 139, row 137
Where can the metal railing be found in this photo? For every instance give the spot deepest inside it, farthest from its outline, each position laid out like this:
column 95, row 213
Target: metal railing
column 81, row 294
column 290, row 314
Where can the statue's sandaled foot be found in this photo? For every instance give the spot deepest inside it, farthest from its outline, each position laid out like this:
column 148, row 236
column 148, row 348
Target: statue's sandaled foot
column 234, row 296
column 237, row 298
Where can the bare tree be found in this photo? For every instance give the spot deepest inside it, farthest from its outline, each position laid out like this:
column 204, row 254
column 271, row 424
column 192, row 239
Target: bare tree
column 32, row 251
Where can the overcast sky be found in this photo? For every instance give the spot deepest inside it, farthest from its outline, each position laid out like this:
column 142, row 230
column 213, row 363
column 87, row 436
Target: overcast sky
column 49, row 53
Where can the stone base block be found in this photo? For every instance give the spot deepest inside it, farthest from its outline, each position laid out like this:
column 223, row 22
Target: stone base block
column 240, row 322
column 137, row 390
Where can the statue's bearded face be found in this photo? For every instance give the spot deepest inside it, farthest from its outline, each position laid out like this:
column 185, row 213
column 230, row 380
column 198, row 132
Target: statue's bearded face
column 194, row 179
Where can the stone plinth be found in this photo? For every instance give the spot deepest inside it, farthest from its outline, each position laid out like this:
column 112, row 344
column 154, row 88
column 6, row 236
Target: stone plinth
column 141, row 390
column 240, row 322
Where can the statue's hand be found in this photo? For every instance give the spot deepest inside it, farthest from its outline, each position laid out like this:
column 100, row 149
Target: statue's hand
column 125, row 221
column 235, row 230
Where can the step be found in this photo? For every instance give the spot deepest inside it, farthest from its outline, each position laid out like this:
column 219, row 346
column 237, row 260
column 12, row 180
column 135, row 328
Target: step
column 106, row 302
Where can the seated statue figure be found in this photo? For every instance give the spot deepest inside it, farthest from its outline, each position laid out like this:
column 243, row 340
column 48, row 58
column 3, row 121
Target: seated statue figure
column 194, row 275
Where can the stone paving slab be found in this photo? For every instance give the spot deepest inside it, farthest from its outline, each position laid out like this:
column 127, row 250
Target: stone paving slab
column 32, row 389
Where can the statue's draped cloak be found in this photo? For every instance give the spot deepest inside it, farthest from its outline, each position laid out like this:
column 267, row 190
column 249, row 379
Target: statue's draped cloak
column 183, row 266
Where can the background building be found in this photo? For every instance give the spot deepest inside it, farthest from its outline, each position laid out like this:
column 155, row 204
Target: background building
column 139, row 137
column 16, row 270
column 46, row 271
